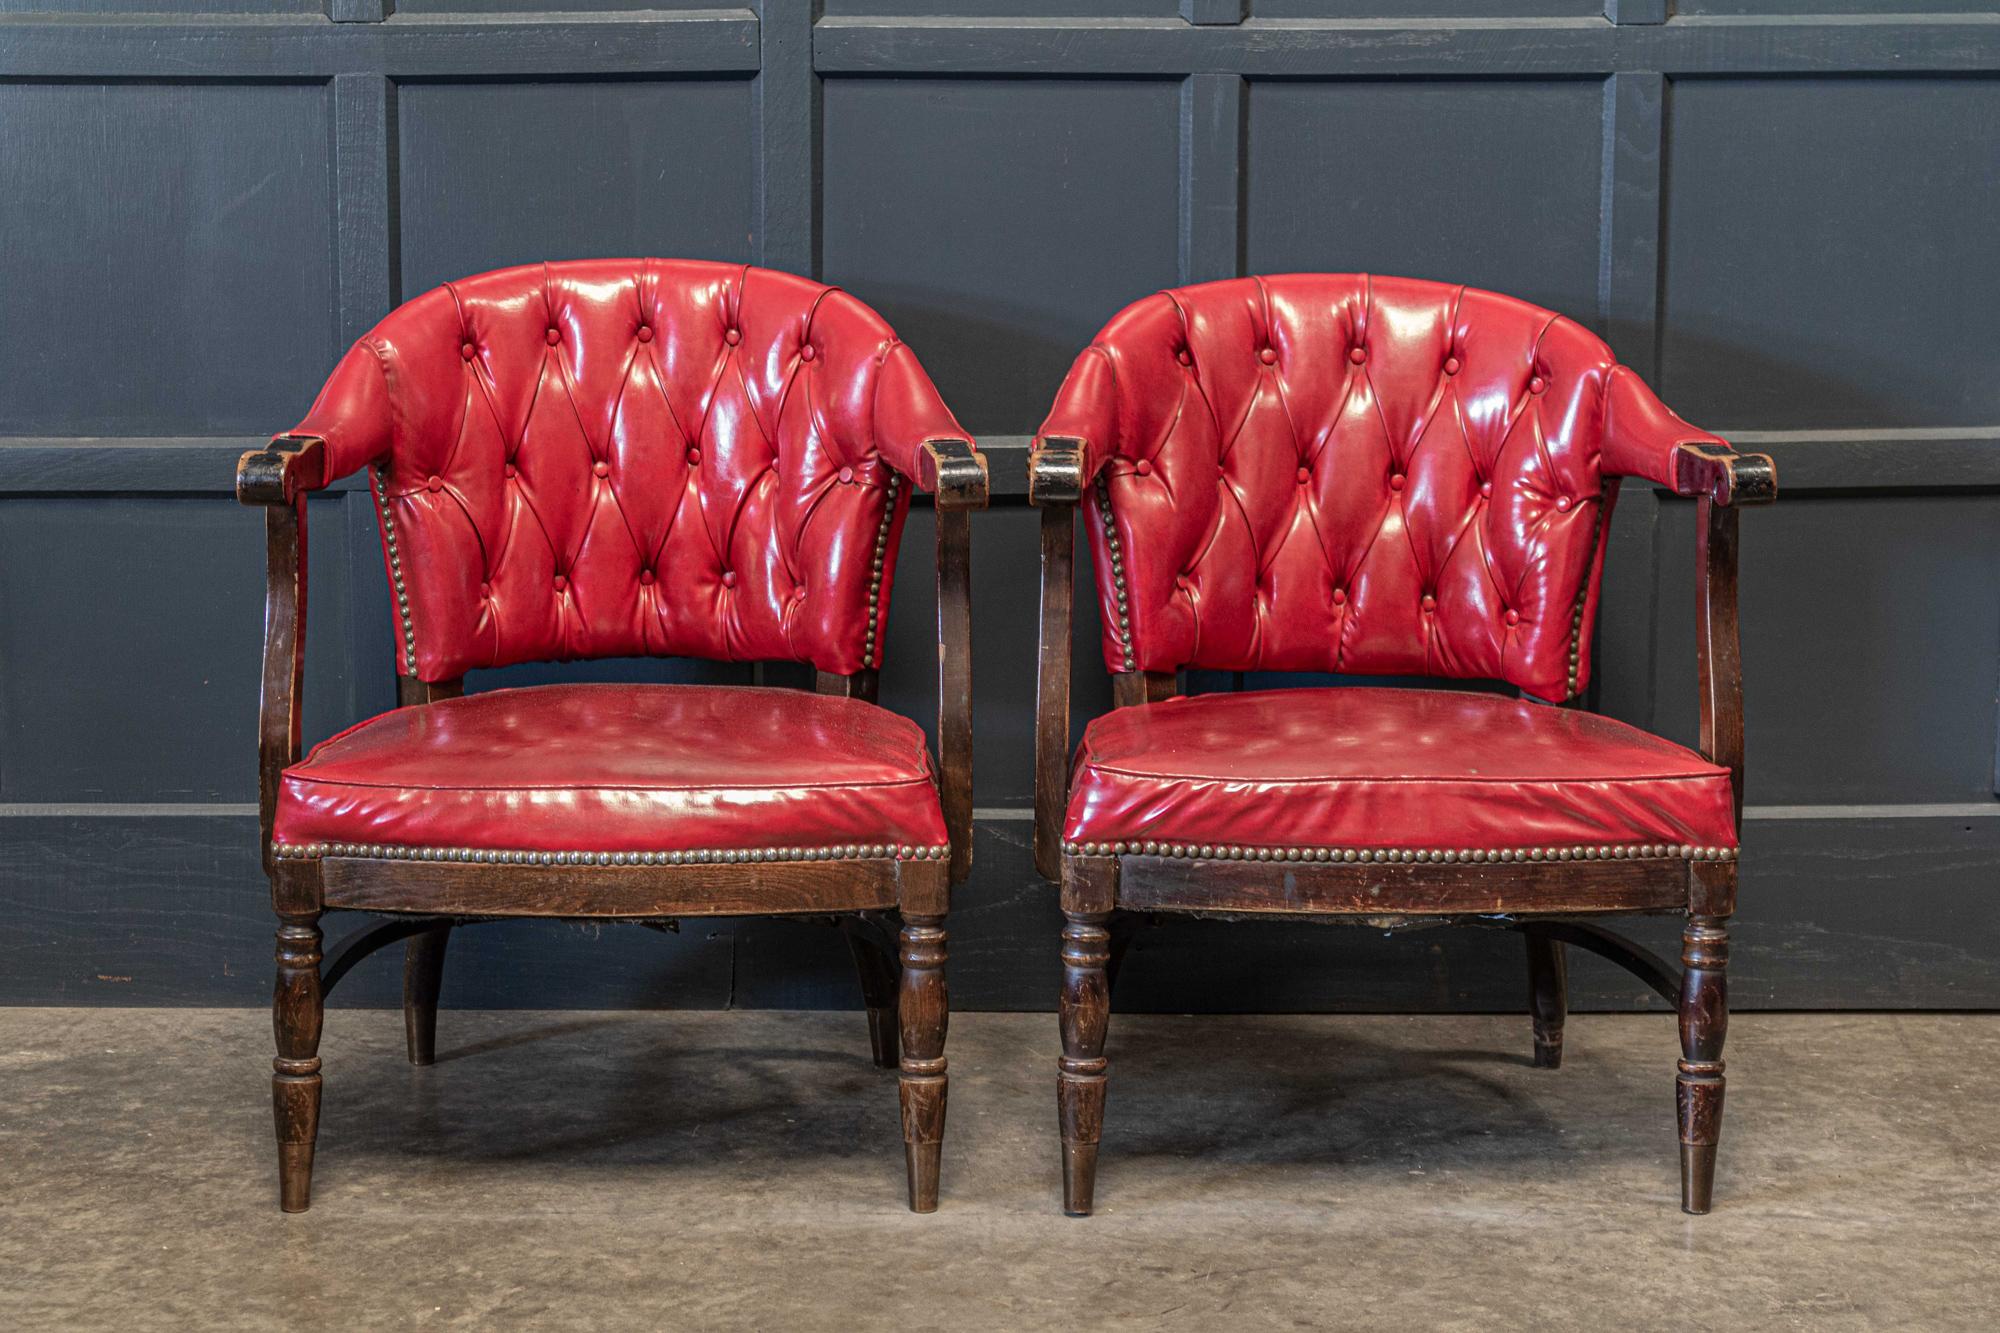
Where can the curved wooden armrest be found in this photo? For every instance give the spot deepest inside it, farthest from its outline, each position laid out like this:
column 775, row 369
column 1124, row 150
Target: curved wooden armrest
column 1720, row 474
column 954, row 472
column 283, row 470
column 1055, row 471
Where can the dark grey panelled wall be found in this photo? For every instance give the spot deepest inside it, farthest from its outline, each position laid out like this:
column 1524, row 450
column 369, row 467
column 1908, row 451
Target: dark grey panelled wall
column 1780, row 211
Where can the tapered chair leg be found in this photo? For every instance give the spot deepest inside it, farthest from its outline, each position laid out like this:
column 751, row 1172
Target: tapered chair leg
column 423, row 977
column 923, row 1010
column 297, row 1010
column 876, row 966
column 1085, row 1014
column 1548, row 997
column 1704, row 1021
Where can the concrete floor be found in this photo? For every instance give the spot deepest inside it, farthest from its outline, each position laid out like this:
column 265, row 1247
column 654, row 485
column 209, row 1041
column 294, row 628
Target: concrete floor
column 744, row 1170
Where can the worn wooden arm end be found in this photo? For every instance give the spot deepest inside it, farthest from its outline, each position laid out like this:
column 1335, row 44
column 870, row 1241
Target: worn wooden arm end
column 954, row 472
column 1055, row 484
column 1724, row 476
column 281, row 471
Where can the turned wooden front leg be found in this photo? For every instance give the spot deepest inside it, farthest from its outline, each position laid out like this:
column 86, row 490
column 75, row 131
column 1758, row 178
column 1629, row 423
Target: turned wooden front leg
column 923, row 1010
column 1080, row 1075
column 297, row 1009
column 1704, row 1014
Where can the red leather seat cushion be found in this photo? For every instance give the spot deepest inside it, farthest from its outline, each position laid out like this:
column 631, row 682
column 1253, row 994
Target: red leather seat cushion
column 1388, row 768
column 620, row 768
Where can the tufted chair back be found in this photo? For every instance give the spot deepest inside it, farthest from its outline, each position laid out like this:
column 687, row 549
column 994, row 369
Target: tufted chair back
column 634, row 457
column 1339, row 472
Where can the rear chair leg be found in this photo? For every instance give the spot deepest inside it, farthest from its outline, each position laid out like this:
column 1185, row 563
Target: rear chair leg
column 1704, row 1012
column 924, row 1011
column 423, row 976
column 297, row 1010
column 1548, row 996
column 876, row 966
column 1080, row 1074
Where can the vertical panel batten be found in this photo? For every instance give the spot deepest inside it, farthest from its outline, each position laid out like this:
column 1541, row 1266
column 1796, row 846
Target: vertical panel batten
column 787, row 137
column 1211, row 193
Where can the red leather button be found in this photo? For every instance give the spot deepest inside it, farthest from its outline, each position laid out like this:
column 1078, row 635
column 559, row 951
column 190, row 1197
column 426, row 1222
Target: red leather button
column 1486, row 488
column 1396, row 481
column 561, row 583
column 1144, row 468
column 554, row 336
column 601, row 468
column 1184, row 356
column 1537, row 384
column 847, row 474
column 1562, row 503
column 694, row 455
column 807, row 353
column 646, row 578
column 1451, row 365
column 1430, row 602
column 1183, row 582
column 467, row 350
column 728, row 578
column 508, row 472
column 1356, row 355
column 732, row 337
column 1269, row 356
column 1305, row 475
column 435, row 484
column 485, row 590
column 645, row 333
column 1340, row 597
column 1513, row 617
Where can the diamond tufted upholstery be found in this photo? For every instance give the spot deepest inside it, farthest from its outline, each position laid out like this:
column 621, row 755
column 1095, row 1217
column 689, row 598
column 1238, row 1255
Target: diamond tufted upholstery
column 628, row 457
column 1335, row 472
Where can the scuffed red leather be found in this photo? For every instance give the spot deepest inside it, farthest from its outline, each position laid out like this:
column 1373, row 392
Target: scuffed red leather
column 619, row 768
column 626, row 457
column 1368, row 767
column 1338, row 472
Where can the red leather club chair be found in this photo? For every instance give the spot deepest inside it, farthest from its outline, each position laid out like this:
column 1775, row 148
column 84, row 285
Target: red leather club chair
column 1385, row 477
column 616, row 459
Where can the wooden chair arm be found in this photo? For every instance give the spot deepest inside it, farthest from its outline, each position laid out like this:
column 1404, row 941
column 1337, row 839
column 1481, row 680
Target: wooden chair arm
column 1724, row 476
column 1055, row 471
column 958, row 478
column 279, row 716
column 283, row 470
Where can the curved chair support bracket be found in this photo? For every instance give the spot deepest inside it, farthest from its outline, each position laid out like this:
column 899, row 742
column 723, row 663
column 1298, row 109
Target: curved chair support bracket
column 360, row 943
column 1636, row 958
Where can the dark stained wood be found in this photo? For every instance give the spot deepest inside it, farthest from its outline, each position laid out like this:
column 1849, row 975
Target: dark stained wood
column 1084, row 1016
column 423, row 978
column 1142, row 687
column 1052, row 686
column 1634, row 957
column 282, row 471
column 860, row 685
column 280, row 714
column 411, row 692
column 955, row 473
column 875, row 963
column 1718, row 655
column 628, row 892
column 297, row 1012
column 923, row 1013
column 954, row 600
column 1158, row 883
column 1698, row 1085
column 359, row 944
column 1724, row 476
column 1548, row 996
column 1089, row 883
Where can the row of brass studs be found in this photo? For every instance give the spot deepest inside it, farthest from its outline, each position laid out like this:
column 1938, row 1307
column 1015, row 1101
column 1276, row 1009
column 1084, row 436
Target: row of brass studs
column 1599, row 852
column 875, row 570
column 396, row 568
column 313, row 851
column 1582, row 594
column 1117, row 572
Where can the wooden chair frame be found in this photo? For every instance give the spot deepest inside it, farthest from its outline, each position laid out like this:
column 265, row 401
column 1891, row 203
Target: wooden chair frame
column 1537, row 892
column 877, row 897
